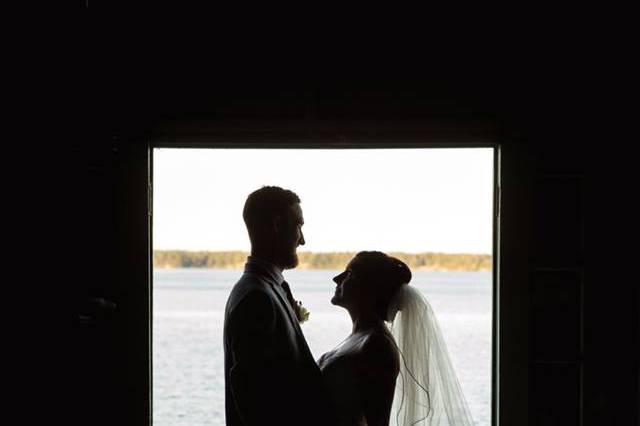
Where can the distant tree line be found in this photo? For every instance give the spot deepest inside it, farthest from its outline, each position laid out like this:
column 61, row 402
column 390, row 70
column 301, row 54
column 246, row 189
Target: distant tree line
column 330, row 260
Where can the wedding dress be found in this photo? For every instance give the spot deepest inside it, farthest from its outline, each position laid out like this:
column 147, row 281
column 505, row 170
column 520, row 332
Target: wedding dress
column 339, row 375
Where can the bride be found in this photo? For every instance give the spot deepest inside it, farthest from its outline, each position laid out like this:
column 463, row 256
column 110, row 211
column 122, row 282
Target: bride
column 394, row 367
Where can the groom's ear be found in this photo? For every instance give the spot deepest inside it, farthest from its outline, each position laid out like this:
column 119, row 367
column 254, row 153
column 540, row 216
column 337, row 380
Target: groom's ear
column 277, row 224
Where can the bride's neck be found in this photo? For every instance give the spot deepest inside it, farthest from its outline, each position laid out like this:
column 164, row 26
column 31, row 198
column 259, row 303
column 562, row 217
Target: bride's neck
column 361, row 322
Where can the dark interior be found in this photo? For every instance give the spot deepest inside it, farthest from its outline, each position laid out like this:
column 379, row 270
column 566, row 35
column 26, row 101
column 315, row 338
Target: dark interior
column 568, row 331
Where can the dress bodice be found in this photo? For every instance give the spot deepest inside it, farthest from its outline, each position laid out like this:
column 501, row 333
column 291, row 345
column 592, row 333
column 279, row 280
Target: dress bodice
column 340, row 375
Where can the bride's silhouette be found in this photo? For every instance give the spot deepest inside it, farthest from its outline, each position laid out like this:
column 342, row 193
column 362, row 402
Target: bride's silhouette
column 400, row 372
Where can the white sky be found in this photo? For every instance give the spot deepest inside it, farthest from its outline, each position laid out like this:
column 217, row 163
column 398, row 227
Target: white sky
column 411, row 200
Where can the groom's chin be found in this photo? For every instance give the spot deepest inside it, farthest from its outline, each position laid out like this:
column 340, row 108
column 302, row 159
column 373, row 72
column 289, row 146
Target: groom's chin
column 291, row 262
column 294, row 262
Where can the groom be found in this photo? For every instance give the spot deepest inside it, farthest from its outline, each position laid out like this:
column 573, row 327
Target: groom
column 271, row 377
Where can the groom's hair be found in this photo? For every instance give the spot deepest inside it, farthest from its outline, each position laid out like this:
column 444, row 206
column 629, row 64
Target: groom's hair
column 263, row 205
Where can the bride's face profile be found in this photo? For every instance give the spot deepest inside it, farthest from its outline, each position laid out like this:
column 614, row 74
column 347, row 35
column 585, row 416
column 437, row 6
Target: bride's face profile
column 346, row 282
column 369, row 282
column 353, row 290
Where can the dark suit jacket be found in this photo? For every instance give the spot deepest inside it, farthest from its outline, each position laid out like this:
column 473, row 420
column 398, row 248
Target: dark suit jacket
column 271, row 377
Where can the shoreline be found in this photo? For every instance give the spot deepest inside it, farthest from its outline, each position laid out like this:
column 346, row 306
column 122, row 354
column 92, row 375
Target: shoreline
column 426, row 261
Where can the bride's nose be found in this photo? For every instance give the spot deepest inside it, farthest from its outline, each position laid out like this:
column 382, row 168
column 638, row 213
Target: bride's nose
column 338, row 278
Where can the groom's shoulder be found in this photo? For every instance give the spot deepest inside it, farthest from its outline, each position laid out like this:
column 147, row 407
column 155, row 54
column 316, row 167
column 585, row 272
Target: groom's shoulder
column 248, row 284
column 250, row 281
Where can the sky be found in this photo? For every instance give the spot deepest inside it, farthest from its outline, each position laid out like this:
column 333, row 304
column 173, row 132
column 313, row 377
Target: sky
column 408, row 200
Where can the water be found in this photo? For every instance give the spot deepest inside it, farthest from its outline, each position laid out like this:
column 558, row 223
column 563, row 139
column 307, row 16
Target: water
column 188, row 311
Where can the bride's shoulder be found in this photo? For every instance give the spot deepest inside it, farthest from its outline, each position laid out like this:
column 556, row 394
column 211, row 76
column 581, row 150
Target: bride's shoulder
column 380, row 348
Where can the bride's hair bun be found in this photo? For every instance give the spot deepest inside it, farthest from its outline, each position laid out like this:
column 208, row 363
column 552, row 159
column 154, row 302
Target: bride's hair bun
column 381, row 266
column 403, row 272
column 387, row 274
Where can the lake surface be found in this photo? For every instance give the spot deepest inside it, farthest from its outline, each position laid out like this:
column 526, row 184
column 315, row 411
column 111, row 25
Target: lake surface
column 188, row 314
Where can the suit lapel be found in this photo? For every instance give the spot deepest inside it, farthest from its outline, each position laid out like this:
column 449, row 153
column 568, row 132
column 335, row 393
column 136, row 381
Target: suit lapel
column 294, row 320
column 265, row 276
column 283, row 300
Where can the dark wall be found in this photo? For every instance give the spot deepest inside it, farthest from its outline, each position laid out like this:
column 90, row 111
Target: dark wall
column 569, row 329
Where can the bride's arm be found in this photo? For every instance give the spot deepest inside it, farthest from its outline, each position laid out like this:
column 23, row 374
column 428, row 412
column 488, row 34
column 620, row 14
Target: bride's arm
column 378, row 372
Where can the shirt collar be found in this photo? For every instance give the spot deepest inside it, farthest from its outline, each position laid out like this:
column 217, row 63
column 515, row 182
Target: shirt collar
column 269, row 268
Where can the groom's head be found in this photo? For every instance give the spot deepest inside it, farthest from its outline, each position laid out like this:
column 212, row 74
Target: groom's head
column 274, row 221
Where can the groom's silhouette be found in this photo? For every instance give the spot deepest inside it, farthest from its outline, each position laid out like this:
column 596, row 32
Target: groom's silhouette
column 271, row 377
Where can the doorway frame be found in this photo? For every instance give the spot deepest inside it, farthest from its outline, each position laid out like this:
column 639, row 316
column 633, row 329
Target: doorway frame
column 506, row 403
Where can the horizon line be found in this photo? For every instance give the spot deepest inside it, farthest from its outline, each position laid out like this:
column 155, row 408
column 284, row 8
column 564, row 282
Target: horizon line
column 333, row 252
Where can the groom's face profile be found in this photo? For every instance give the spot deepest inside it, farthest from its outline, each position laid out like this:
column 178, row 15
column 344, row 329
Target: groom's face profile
column 289, row 231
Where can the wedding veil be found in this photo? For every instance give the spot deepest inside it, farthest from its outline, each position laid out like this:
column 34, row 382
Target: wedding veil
column 427, row 388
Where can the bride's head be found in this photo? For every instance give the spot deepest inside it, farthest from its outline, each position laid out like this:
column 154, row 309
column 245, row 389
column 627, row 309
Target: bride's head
column 369, row 282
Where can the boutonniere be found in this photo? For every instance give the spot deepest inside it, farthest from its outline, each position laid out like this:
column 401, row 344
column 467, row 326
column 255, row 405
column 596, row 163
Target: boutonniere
column 302, row 313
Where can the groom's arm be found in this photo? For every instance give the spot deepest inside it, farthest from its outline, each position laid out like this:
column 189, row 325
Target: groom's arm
column 260, row 372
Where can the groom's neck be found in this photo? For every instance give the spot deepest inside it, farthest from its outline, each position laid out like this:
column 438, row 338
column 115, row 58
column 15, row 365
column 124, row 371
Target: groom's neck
column 265, row 256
